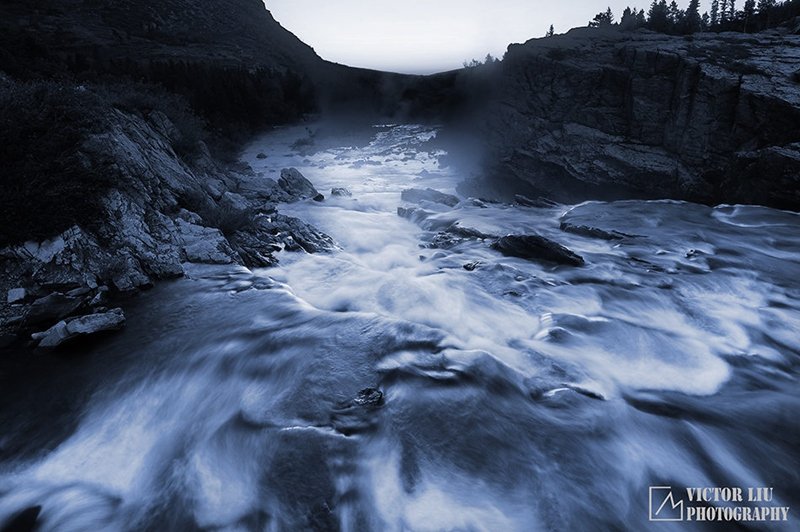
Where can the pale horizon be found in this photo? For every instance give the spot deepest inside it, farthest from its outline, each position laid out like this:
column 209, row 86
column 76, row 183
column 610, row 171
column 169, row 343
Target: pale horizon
column 421, row 37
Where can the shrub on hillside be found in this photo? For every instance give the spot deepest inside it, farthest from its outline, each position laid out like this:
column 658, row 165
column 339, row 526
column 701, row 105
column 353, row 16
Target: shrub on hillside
column 46, row 184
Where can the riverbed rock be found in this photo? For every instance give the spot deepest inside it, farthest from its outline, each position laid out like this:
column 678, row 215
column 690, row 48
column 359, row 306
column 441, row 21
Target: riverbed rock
column 341, row 192
column 537, row 247
column 82, row 326
column 296, row 185
column 417, row 195
column 592, row 232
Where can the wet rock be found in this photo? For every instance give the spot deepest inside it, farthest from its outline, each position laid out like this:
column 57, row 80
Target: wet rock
column 319, row 197
column 417, row 195
column 50, row 308
column 413, row 214
column 64, row 331
column 539, row 202
column 472, row 266
column 261, row 155
column 536, row 247
column 16, row 295
column 369, row 397
column 296, row 185
column 358, row 415
column 592, row 232
column 341, row 192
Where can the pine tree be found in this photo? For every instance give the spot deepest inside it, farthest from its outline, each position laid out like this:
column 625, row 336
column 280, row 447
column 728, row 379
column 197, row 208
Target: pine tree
column 714, row 12
column 732, row 14
column 749, row 12
column 550, row 32
column 658, row 17
column 692, row 20
column 723, row 11
column 603, row 19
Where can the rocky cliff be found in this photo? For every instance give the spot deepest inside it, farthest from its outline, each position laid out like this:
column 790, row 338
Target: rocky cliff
column 609, row 114
column 158, row 213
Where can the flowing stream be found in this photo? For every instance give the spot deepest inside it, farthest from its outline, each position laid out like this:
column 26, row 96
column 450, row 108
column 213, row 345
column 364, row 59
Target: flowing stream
column 384, row 386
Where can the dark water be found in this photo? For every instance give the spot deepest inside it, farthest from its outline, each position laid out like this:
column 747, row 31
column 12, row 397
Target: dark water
column 517, row 396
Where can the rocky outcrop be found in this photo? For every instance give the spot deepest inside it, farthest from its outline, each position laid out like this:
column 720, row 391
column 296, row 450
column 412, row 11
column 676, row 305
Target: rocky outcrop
column 160, row 213
column 296, row 185
column 605, row 114
column 536, row 247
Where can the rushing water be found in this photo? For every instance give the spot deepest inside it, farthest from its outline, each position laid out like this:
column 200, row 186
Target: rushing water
column 517, row 396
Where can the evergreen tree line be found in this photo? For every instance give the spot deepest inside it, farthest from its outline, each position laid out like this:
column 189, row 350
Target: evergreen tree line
column 663, row 17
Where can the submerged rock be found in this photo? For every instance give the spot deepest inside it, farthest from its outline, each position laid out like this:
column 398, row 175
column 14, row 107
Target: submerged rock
column 592, row 232
column 82, row 326
column 417, row 195
column 369, row 397
column 536, row 247
column 540, row 201
column 296, row 185
column 472, row 266
column 261, row 155
column 341, row 192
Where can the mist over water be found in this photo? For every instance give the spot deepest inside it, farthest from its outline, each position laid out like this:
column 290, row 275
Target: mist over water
column 516, row 396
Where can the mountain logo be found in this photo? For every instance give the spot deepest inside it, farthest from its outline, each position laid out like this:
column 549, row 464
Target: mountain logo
column 663, row 506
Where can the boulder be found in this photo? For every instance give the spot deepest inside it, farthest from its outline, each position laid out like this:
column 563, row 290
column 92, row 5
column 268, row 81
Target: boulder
column 78, row 327
column 417, row 195
column 261, row 155
column 536, row 247
column 296, row 185
column 341, row 192
column 16, row 295
column 51, row 308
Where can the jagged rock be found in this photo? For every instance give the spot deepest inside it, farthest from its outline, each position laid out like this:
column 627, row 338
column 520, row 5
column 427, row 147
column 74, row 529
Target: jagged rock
column 417, row 195
column 536, row 247
column 50, row 308
column 296, row 185
column 341, row 192
column 16, row 295
column 204, row 244
column 592, row 232
column 369, row 397
column 81, row 326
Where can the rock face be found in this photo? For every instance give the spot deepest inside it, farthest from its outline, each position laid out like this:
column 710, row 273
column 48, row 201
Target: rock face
column 604, row 114
column 535, row 247
column 161, row 213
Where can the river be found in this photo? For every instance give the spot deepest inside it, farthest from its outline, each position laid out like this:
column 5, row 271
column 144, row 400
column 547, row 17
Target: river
column 384, row 386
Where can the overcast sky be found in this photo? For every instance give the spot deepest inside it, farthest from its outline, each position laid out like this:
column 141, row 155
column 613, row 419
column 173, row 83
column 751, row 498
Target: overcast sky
column 423, row 36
